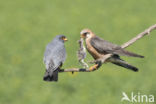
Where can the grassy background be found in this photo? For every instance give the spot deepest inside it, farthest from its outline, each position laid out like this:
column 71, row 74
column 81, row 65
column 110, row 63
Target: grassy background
column 26, row 26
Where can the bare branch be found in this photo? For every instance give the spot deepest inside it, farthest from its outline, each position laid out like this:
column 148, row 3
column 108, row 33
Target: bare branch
column 130, row 42
column 93, row 68
column 75, row 70
column 146, row 32
column 99, row 62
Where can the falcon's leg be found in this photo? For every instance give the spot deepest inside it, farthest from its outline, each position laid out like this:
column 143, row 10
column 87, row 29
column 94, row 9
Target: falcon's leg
column 96, row 66
column 60, row 65
column 102, row 59
column 59, row 69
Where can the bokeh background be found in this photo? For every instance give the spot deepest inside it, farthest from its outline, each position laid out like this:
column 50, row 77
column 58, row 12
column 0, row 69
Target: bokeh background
column 26, row 26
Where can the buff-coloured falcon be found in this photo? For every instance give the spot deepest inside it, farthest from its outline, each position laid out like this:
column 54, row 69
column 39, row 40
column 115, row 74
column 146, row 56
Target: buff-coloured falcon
column 54, row 56
column 98, row 47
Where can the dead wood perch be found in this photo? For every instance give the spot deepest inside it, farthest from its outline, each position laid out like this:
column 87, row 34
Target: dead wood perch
column 146, row 32
column 76, row 70
column 102, row 60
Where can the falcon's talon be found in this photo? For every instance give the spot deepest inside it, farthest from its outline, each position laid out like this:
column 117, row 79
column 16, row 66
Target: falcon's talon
column 104, row 51
column 54, row 49
column 94, row 67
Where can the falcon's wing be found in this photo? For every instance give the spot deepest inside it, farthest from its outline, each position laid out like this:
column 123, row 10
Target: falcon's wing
column 54, row 55
column 105, row 47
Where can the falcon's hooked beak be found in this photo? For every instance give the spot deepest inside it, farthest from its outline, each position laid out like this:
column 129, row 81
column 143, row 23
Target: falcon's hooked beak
column 64, row 38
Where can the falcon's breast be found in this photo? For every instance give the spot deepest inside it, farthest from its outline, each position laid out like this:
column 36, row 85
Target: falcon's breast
column 95, row 54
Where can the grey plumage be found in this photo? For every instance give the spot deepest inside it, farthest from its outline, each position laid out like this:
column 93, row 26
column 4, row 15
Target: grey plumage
column 105, row 47
column 54, row 56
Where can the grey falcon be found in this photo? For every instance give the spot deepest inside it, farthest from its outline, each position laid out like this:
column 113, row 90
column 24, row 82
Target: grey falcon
column 98, row 47
column 54, row 57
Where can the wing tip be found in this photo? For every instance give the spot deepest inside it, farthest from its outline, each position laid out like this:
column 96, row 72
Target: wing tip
column 142, row 56
column 135, row 69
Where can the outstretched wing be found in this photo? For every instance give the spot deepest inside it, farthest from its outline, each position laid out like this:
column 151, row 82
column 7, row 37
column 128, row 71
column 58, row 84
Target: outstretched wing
column 105, row 47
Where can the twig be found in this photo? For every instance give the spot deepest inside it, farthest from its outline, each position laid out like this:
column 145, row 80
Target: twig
column 102, row 60
column 130, row 42
column 146, row 32
column 75, row 70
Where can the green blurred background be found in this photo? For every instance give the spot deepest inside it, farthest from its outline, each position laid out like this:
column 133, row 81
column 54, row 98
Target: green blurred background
column 26, row 26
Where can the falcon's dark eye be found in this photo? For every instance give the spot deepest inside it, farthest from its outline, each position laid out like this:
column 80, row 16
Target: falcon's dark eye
column 64, row 38
column 86, row 33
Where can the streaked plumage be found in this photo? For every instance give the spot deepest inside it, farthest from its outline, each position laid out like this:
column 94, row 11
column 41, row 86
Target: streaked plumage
column 54, row 56
column 81, row 54
column 98, row 47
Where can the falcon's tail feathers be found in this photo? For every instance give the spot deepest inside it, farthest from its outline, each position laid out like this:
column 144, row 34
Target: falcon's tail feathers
column 127, row 53
column 122, row 63
column 51, row 76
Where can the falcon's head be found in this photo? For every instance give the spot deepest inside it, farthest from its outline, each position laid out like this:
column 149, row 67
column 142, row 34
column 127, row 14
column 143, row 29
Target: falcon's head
column 86, row 33
column 61, row 38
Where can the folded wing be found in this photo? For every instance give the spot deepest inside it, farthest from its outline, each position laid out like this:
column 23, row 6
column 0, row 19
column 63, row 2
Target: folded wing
column 105, row 47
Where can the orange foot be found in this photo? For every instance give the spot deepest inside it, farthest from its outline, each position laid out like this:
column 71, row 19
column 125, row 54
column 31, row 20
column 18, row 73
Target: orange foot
column 94, row 67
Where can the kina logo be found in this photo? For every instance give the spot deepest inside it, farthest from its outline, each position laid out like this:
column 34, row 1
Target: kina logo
column 137, row 97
